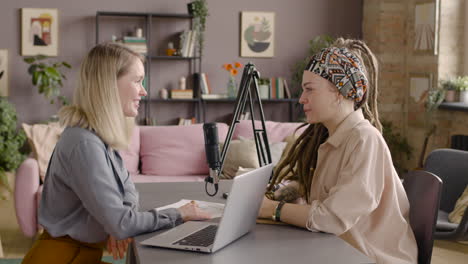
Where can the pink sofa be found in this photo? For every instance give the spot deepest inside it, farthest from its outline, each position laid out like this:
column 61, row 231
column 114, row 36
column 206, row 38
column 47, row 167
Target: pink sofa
column 156, row 154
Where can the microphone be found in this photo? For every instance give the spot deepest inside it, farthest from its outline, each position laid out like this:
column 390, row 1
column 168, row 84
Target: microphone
column 210, row 132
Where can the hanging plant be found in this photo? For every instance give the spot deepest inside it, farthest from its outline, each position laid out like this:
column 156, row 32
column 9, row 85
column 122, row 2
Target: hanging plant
column 47, row 77
column 199, row 10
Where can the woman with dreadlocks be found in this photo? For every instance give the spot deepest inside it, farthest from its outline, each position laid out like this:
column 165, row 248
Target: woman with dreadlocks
column 340, row 166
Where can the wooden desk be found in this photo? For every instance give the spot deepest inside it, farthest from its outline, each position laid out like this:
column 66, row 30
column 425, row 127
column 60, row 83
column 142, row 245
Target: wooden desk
column 265, row 244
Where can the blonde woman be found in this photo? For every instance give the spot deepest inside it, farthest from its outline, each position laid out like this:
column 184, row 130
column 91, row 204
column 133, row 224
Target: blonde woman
column 340, row 167
column 88, row 198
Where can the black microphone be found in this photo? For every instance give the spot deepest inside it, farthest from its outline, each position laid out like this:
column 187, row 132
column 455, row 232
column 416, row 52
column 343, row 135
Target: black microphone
column 210, row 132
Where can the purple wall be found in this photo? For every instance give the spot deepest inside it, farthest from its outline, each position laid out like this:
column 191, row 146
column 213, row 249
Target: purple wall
column 297, row 21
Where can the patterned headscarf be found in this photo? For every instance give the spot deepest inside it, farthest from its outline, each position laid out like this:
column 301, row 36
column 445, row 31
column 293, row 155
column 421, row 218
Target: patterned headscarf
column 343, row 69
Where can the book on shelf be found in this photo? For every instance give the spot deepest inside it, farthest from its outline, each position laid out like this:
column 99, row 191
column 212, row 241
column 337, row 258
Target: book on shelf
column 137, row 47
column 181, row 94
column 129, row 39
column 187, row 121
column 205, row 84
column 186, row 43
column 213, row 96
column 287, row 92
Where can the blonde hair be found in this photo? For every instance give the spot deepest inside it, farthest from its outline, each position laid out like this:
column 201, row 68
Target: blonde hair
column 301, row 160
column 96, row 101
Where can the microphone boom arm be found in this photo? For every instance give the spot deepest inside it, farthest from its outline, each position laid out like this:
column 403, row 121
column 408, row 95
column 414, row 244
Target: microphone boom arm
column 249, row 84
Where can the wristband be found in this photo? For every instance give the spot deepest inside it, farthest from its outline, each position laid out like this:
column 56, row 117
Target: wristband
column 277, row 214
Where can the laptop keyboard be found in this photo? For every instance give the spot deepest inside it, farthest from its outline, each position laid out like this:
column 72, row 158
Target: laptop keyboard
column 202, row 238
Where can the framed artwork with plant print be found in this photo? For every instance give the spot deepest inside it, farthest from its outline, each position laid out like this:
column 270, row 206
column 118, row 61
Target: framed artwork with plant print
column 3, row 72
column 257, row 36
column 39, row 31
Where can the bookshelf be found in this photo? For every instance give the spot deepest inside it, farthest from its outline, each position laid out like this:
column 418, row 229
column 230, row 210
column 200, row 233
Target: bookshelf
column 153, row 60
column 291, row 102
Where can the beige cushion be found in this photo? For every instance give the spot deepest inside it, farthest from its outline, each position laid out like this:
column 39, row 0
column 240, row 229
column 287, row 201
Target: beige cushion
column 243, row 153
column 460, row 206
column 43, row 138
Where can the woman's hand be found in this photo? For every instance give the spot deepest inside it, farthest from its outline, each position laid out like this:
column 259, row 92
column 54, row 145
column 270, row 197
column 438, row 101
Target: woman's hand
column 118, row 247
column 191, row 212
column 267, row 209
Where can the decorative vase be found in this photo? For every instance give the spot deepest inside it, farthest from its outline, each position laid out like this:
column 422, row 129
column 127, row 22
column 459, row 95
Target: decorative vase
column 264, row 91
column 450, row 96
column 6, row 187
column 464, row 97
column 232, row 87
column 163, row 93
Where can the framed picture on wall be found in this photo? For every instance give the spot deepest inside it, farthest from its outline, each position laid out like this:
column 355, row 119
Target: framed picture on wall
column 257, row 35
column 39, row 31
column 3, row 72
column 426, row 27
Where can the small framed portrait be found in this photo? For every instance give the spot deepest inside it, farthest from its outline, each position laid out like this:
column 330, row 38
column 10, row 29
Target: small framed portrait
column 39, row 31
column 426, row 27
column 257, row 36
column 3, row 72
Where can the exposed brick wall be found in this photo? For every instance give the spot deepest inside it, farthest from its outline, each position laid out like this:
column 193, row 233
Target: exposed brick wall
column 388, row 28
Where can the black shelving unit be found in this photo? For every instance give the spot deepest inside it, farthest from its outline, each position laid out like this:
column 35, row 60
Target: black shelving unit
column 194, row 62
column 290, row 101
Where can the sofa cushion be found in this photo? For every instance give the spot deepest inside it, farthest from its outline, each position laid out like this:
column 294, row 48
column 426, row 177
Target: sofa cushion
column 131, row 156
column 42, row 139
column 242, row 153
column 175, row 150
column 277, row 131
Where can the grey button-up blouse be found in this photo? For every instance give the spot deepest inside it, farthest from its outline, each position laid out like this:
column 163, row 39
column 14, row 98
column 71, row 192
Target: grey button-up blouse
column 88, row 193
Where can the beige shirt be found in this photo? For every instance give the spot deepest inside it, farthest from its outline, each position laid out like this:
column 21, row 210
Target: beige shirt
column 357, row 194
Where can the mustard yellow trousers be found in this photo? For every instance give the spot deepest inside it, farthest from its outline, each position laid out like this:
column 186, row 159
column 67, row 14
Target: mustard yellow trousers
column 63, row 250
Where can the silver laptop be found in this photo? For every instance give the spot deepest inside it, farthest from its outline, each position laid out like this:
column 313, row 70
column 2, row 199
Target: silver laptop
column 238, row 218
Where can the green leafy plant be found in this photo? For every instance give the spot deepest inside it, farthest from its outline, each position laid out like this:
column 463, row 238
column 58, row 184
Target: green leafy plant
column 47, row 77
column 448, row 85
column 263, row 81
column 315, row 45
column 398, row 145
column 11, row 141
column 461, row 83
column 199, row 10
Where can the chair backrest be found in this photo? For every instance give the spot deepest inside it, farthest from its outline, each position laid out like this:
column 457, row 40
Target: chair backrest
column 423, row 190
column 452, row 167
column 459, row 142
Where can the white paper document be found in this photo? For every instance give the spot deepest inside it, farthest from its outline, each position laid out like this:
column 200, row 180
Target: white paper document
column 215, row 209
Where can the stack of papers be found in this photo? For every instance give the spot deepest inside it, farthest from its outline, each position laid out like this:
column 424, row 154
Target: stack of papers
column 215, row 209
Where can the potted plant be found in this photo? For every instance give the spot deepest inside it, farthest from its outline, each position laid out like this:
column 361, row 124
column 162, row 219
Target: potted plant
column 11, row 141
column 47, row 77
column 315, row 45
column 450, row 90
column 462, row 86
column 199, row 10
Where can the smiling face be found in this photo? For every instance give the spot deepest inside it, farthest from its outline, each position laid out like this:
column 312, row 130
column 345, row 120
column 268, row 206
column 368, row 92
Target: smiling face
column 319, row 97
column 131, row 88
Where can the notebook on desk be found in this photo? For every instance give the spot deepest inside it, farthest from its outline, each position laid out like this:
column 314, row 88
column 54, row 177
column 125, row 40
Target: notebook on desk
column 240, row 213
